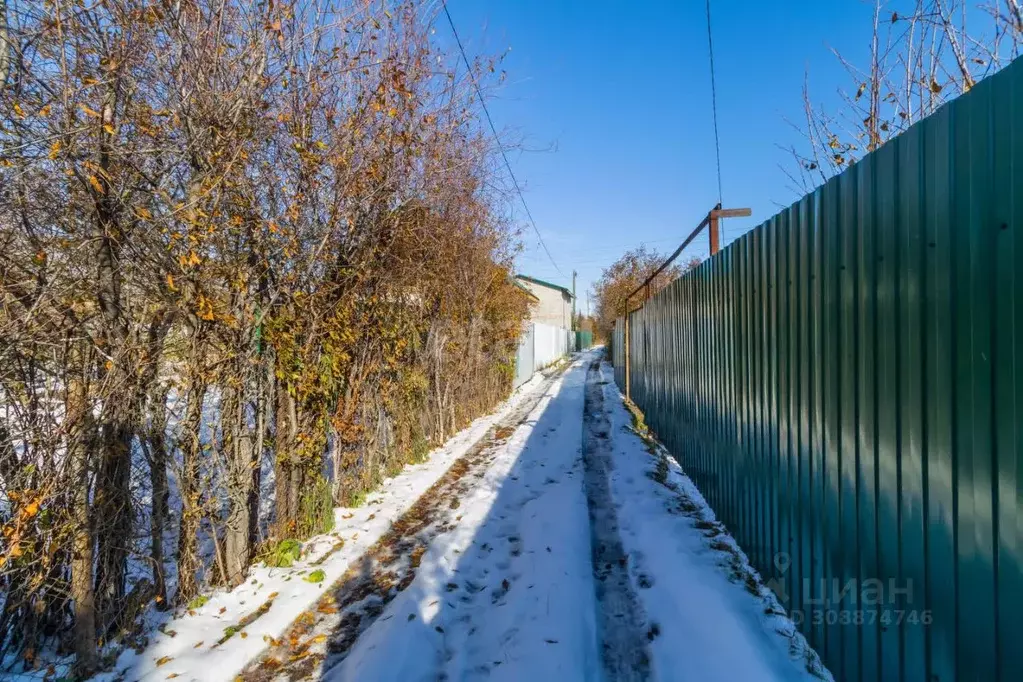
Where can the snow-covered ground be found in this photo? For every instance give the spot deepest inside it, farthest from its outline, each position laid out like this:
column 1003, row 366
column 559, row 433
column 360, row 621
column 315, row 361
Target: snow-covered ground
column 694, row 583
column 526, row 565
column 508, row 593
column 547, row 541
column 187, row 646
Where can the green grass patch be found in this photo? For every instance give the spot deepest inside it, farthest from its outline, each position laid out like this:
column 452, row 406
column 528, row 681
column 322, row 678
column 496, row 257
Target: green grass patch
column 284, row 554
column 355, row 498
column 198, row 602
column 316, row 509
column 420, row 449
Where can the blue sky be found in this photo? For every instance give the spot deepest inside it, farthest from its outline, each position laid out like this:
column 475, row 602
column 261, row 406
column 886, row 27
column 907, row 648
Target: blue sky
column 612, row 103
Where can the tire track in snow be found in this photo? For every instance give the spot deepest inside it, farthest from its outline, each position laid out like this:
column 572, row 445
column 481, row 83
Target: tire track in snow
column 321, row 638
column 620, row 616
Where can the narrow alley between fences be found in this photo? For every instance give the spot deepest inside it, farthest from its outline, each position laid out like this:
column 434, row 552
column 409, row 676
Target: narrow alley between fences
column 561, row 542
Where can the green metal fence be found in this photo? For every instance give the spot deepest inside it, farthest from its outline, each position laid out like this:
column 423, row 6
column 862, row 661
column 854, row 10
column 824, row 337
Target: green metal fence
column 845, row 385
column 583, row 339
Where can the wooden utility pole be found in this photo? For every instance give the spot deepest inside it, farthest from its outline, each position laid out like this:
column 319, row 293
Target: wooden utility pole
column 573, row 299
column 713, row 223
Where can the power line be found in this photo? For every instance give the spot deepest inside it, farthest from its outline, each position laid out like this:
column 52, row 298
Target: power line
column 613, row 249
column 714, row 100
column 493, row 129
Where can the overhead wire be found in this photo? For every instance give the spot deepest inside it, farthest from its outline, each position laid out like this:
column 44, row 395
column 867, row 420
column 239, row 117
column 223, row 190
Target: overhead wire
column 493, row 129
column 714, row 101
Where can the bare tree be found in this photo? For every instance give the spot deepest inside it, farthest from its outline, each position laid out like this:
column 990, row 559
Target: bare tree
column 624, row 276
column 5, row 45
column 234, row 237
column 921, row 54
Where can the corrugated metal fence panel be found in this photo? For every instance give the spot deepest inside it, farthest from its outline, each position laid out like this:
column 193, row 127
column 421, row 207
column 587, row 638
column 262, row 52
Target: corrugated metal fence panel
column 845, row 385
column 525, row 364
column 540, row 346
column 618, row 350
column 551, row 344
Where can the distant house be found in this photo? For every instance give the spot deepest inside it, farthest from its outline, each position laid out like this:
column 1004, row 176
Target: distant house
column 553, row 303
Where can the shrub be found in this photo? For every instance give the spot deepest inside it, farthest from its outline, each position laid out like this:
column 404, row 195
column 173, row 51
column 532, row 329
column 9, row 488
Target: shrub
column 420, row 448
column 284, row 554
column 198, row 602
column 317, row 509
column 316, row 576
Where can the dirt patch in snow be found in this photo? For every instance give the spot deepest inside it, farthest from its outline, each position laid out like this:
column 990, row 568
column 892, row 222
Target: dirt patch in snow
column 621, row 621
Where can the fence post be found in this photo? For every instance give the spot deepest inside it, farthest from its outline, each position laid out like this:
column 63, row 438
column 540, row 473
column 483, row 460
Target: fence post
column 533, row 327
column 715, row 241
column 628, row 363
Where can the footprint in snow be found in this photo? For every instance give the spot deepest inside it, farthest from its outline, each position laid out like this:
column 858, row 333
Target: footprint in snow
column 500, row 592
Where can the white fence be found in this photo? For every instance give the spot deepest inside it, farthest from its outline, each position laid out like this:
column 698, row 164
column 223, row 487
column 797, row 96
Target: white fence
column 541, row 345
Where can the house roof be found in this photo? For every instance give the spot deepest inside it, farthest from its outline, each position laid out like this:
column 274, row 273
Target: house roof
column 523, row 288
column 542, row 283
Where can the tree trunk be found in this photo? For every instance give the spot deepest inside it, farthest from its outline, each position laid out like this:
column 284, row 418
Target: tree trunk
column 262, row 385
column 237, row 546
column 189, row 562
column 240, row 454
column 113, row 501
column 5, row 45
column 113, row 496
column 82, row 594
column 158, row 482
column 286, row 469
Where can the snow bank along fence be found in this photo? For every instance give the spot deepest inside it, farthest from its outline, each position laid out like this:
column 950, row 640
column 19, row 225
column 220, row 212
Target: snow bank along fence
column 845, row 385
column 541, row 345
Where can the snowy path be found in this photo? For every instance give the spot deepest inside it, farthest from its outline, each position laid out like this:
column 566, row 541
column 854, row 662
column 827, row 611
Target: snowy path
column 551, row 550
column 506, row 568
column 622, row 617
